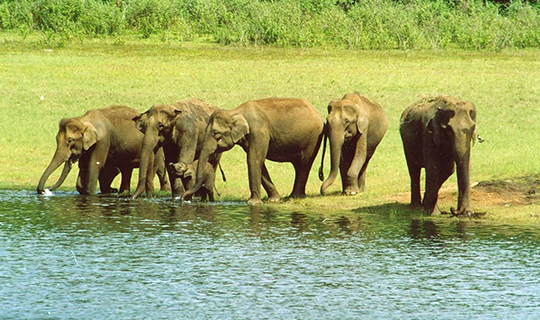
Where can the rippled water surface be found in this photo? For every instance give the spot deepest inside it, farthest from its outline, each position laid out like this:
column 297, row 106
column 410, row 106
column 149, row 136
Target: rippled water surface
column 73, row 257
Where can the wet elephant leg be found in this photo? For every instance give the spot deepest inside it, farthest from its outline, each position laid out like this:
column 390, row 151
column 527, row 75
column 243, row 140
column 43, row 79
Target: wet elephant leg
column 436, row 175
column 125, row 184
column 106, row 177
column 268, row 185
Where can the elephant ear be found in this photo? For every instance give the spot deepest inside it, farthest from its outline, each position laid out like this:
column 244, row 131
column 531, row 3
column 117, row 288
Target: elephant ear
column 362, row 125
column 239, row 128
column 140, row 121
column 90, row 135
column 439, row 122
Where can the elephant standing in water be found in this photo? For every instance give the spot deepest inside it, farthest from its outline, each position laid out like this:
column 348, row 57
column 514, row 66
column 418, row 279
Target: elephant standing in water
column 355, row 127
column 277, row 129
column 179, row 129
column 105, row 142
column 437, row 134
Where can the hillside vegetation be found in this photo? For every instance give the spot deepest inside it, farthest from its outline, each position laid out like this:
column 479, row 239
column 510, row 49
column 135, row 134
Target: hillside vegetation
column 351, row 24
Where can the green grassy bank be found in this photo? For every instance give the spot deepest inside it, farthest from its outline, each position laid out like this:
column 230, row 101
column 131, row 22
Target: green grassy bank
column 40, row 85
column 366, row 24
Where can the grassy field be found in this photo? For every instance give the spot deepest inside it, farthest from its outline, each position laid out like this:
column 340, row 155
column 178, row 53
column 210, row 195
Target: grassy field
column 39, row 86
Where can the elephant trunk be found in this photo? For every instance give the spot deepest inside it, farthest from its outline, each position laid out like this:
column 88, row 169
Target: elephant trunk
column 63, row 176
column 321, row 168
column 58, row 158
column 336, row 143
column 150, row 141
column 209, row 148
column 462, row 155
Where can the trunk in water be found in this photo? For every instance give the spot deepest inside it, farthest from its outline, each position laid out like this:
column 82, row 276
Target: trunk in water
column 336, row 143
column 210, row 146
column 57, row 160
column 150, row 140
column 63, row 176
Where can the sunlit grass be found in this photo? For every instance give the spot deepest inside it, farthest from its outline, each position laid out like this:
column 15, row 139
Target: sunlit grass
column 39, row 86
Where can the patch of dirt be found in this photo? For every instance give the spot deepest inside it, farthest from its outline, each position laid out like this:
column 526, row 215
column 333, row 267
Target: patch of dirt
column 520, row 191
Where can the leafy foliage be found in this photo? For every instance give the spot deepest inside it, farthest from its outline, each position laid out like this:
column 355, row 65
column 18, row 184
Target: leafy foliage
column 354, row 24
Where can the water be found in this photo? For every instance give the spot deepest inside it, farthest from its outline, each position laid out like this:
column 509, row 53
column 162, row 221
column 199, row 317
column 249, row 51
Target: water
column 73, row 257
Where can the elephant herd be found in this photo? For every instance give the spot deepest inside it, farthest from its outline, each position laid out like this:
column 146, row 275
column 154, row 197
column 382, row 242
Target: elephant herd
column 186, row 139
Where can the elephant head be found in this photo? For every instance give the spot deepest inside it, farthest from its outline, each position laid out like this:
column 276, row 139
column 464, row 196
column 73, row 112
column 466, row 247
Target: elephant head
column 452, row 130
column 346, row 122
column 224, row 130
column 182, row 169
column 157, row 124
column 73, row 139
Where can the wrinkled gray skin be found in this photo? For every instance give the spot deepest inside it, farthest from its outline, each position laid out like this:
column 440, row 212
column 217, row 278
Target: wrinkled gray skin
column 189, row 173
column 179, row 129
column 105, row 142
column 355, row 126
column 277, row 129
column 437, row 134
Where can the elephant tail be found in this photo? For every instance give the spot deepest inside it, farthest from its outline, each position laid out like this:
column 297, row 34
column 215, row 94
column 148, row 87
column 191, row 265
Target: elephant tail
column 222, row 173
column 325, row 137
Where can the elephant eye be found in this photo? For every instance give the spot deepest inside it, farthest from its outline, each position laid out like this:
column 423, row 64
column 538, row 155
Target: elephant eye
column 70, row 141
column 161, row 126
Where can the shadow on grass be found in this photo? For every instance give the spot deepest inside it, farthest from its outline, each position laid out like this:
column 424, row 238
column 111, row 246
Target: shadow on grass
column 397, row 208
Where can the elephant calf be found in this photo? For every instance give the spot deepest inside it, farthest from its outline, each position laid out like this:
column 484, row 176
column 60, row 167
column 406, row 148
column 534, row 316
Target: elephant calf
column 355, row 127
column 188, row 172
column 437, row 134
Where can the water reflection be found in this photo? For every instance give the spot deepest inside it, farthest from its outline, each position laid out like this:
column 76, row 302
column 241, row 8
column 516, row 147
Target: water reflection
column 70, row 256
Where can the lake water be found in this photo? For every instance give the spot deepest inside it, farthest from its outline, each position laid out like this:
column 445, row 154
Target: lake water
column 72, row 257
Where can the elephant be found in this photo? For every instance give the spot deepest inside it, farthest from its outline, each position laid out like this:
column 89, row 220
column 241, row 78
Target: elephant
column 355, row 126
column 437, row 134
column 179, row 129
column 105, row 142
column 188, row 172
column 277, row 129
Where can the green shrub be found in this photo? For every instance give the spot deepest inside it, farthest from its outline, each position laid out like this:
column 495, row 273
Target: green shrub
column 366, row 24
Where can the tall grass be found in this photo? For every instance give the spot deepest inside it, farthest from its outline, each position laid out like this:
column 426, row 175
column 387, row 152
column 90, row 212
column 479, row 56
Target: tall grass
column 366, row 24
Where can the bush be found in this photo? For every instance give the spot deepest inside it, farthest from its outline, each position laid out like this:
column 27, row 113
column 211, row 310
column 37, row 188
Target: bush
column 354, row 24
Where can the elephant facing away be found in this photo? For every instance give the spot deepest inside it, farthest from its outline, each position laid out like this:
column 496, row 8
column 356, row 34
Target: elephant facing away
column 437, row 134
column 179, row 129
column 277, row 129
column 105, row 142
column 355, row 126
column 188, row 171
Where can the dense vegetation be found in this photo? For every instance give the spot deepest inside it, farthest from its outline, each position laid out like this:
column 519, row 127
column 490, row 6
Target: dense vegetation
column 353, row 24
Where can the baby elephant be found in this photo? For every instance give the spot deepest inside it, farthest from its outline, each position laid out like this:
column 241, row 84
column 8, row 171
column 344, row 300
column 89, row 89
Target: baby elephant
column 437, row 134
column 188, row 173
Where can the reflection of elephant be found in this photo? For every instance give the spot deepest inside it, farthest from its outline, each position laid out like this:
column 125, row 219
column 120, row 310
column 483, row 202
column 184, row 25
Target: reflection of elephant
column 179, row 129
column 437, row 134
column 188, row 172
column 105, row 141
column 277, row 129
column 355, row 127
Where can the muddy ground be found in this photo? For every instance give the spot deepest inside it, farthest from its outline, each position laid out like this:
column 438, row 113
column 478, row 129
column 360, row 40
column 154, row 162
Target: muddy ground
column 509, row 192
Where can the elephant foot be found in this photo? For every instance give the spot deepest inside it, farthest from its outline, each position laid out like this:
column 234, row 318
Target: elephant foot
column 254, row 201
column 351, row 191
column 466, row 212
column 274, row 199
column 433, row 212
column 297, row 195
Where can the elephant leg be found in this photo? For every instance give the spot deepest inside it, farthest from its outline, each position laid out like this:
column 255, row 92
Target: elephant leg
column 96, row 163
column 106, row 177
column 414, row 174
column 436, row 175
column 362, row 175
column 269, row 187
column 255, row 159
column 125, row 185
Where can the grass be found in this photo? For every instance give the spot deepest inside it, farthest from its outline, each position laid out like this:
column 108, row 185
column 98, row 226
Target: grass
column 40, row 85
